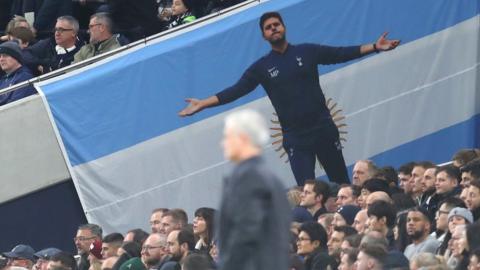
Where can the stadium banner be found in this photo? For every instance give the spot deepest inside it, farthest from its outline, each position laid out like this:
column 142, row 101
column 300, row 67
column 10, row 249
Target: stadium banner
column 129, row 152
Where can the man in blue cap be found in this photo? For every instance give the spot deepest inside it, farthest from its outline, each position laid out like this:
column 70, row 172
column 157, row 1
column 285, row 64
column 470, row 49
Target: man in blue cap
column 43, row 257
column 21, row 255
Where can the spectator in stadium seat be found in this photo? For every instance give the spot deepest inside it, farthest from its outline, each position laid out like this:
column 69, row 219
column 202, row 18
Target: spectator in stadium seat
column 312, row 244
column 428, row 185
column 180, row 244
column 16, row 21
column 56, row 52
column 470, row 171
column 335, row 242
column 254, row 219
column 305, row 118
column 446, row 185
column 203, row 228
column 154, row 250
column 362, row 171
column 360, row 221
column 473, row 198
column 43, row 257
column 418, row 228
column 417, row 176
column 371, row 257
column 136, row 235
column 110, row 245
column 23, row 35
column 441, row 225
column 62, row 261
column 21, row 256
column 11, row 62
column 182, row 12
column 86, row 235
column 101, row 38
column 377, row 196
column 345, row 215
column 156, row 219
column 315, row 194
column 370, row 186
column 474, row 263
column 404, row 176
column 381, row 218
column 347, row 194
column 126, row 252
column 174, row 219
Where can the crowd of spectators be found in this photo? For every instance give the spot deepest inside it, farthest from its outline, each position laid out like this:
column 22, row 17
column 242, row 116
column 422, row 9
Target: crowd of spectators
column 38, row 37
column 421, row 216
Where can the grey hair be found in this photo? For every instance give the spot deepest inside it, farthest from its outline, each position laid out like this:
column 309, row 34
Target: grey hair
column 250, row 123
column 93, row 228
column 104, row 19
column 426, row 259
column 71, row 20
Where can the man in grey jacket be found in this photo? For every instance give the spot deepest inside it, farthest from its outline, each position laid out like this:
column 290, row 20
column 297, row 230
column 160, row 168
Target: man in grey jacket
column 254, row 215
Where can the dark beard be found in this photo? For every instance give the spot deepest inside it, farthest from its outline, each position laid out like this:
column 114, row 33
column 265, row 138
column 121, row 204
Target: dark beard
column 416, row 235
column 278, row 41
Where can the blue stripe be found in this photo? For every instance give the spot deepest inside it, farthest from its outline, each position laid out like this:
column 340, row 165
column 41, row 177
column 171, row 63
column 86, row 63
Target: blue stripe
column 136, row 97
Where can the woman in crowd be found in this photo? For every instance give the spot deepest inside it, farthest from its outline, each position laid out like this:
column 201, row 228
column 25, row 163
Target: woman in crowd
column 203, row 228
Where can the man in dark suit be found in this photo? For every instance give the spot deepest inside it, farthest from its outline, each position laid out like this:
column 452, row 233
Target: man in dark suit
column 254, row 215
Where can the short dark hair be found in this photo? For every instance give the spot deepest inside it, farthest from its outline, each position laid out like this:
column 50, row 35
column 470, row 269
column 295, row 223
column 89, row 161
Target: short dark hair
column 320, row 188
column 376, row 184
column 356, row 190
column 451, row 171
column 346, row 230
column 406, row 168
column 113, row 238
column 422, row 210
column 425, row 164
column 268, row 15
column 472, row 167
column 185, row 235
column 316, row 232
column 198, row 261
column 453, row 202
column 475, row 183
column 378, row 252
column 178, row 215
column 388, row 173
column 66, row 260
column 354, row 240
column 132, row 249
column 381, row 209
column 139, row 236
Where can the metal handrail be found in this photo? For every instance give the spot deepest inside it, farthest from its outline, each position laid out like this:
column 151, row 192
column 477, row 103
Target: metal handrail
column 137, row 43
